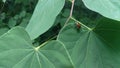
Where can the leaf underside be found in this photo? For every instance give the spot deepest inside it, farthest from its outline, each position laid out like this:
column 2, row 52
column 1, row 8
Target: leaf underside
column 107, row 8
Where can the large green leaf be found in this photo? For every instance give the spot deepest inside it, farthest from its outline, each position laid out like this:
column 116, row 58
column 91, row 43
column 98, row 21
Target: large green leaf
column 108, row 8
column 3, row 30
column 16, row 51
column 97, row 48
column 44, row 16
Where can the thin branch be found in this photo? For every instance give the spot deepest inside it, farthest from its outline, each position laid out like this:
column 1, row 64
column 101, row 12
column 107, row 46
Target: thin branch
column 71, row 12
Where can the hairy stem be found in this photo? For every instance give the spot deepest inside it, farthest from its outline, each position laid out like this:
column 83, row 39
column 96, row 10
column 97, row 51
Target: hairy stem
column 71, row 12
column 80, row 23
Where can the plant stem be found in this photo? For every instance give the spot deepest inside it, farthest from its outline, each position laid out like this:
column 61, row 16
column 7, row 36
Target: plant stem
column 80, row 23
column 71, row 12
column 38, row 47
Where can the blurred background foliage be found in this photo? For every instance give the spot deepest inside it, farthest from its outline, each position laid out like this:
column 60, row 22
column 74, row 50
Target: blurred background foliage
column 18, row 13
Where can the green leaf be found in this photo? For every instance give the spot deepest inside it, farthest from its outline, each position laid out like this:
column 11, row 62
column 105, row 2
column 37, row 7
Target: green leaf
column 22, row 14
column 107, row 8
column 97, row 48
column 109, row 30
column 12, row 22
column 25, row 2
column 44, row 16
column 25, row 21
column 3, row 30
column 17, row 51
column 2, row 16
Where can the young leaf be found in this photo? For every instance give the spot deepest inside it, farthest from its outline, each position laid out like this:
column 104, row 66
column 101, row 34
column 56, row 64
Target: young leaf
column 97, row 48
column 107, row 8
column 44, row 16
column 17, row 51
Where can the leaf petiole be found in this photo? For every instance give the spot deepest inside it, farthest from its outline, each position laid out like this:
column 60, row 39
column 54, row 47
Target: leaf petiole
column 81, row 23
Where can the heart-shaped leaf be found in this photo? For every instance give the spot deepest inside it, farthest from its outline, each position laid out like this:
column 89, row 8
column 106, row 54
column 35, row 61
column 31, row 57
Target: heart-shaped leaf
column 95, row 48
column 44, row 16
column 16, row 51
column 107, row 8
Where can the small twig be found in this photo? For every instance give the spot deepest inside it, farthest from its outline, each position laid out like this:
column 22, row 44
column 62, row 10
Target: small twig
column 71, row 12
column 80, row 23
